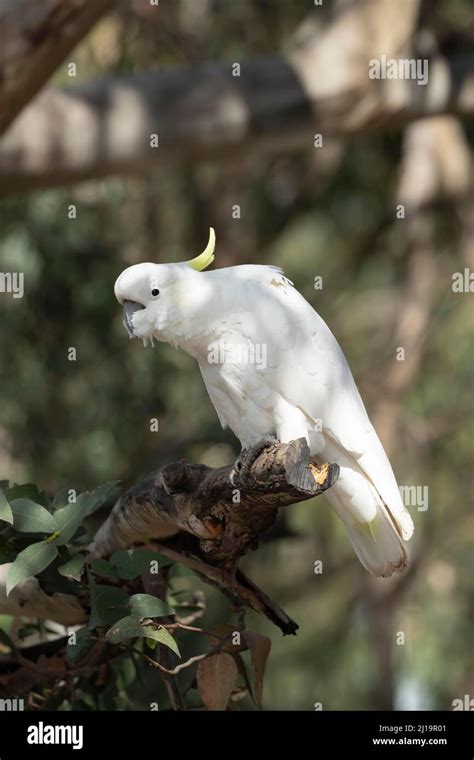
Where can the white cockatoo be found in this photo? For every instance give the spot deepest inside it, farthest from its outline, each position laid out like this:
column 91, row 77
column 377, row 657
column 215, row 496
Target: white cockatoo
column 273, row 368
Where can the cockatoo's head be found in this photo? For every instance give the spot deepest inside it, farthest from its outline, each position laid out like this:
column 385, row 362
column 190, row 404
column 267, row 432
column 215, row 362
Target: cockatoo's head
column 153, row 296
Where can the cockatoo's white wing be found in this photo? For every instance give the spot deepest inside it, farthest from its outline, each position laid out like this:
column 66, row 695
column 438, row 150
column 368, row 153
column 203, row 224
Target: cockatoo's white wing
column 307, row 381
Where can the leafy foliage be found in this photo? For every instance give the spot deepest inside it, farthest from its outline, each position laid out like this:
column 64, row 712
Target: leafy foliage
column 48, row 541
column 30, row 561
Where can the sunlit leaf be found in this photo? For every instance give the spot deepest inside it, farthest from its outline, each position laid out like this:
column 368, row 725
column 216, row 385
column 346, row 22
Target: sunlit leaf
column 73, row 568
column 30, row 561
column 29, row 517
column 147, row 606
column 68, row 520
column 6, row 513
column 162, row 636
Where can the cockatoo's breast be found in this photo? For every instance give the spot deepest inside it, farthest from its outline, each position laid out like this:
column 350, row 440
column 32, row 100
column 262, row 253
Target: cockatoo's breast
column 248, row 354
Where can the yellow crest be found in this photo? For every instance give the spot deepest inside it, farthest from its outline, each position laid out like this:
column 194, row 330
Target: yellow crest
column 207, row 256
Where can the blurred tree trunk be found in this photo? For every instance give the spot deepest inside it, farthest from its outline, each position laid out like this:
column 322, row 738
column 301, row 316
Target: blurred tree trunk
column 436, row 166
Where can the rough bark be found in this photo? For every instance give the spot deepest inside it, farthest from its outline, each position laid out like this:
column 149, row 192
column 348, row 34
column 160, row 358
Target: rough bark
column 226, row 512
column 206, row 518
column 223, row 512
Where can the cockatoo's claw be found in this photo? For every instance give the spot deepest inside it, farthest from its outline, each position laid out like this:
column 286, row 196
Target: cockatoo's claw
column 248, row 456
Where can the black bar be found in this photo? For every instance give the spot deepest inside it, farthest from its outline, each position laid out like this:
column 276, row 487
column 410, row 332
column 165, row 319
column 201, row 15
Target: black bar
column 315, row 734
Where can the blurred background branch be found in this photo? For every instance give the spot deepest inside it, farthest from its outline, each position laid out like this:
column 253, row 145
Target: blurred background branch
column 208, row 111
column 35, row 40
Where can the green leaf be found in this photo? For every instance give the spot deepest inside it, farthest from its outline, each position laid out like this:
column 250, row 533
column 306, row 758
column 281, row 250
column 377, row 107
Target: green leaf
column 103, row 568
column 82, row 537
column 108, row 604
column 162, row 636
column 28, row 491
column 52, row 582
column 126, row 672
column 30, row 561
column 182, row 610
column 29, row 517
column 127, row 628
column 83, row 643
column 93, row 500
column 181, row 571
column 130, row 563
column 147, row 606
column 73, row 568
column 6, row 513
column 61, row 499
column 68, row 520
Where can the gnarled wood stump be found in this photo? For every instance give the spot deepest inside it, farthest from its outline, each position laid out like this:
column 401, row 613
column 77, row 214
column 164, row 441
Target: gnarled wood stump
column 208, row 518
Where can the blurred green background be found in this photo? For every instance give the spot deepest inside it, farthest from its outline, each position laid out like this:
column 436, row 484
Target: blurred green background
column 78, row 423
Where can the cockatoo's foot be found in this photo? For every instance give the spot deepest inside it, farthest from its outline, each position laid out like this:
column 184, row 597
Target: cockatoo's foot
column 247, row 457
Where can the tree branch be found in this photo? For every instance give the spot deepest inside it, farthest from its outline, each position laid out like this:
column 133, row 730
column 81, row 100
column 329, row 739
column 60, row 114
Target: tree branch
column 206, row 518
column 226, row 511
column 36, row 38
column 28, row 599
column 206, row 113
column 218, row 515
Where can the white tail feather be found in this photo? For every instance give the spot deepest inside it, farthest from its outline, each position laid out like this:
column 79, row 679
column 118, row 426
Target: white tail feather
column 376, row 541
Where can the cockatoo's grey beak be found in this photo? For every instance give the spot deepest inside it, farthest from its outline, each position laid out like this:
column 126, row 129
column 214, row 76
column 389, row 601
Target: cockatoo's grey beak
column 129, row 309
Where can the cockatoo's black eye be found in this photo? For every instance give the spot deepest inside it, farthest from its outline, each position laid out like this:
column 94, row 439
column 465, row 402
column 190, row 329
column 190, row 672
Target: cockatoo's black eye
column 155, row 292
